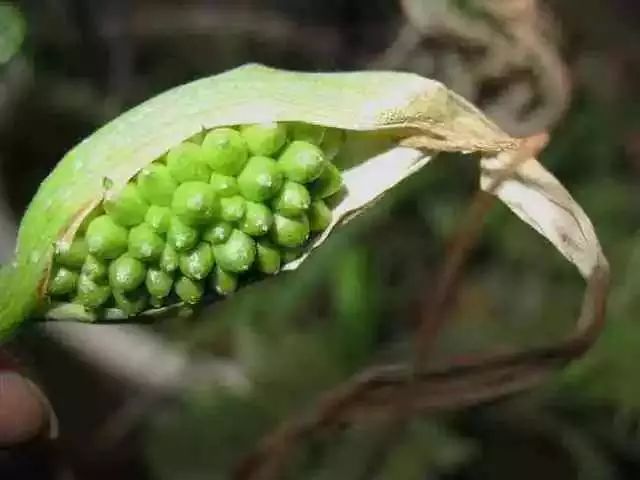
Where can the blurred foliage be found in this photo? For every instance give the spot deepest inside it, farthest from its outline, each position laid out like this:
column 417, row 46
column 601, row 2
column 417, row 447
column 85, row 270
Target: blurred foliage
column 12, row 31
column 358, row 298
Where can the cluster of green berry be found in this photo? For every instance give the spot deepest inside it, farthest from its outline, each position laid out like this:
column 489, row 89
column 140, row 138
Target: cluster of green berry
column 214, row 211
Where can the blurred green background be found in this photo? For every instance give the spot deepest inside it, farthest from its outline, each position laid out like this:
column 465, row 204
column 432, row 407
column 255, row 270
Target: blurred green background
column 68, row 66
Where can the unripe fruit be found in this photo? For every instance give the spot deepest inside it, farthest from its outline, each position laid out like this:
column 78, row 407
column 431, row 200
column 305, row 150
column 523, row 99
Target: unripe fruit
column 260, row 180
column 190, row 291
column 225, row 151
column 127, row 208
column 126, row 273
column 169, row 259
column 158, row 218
column 223, row 282
column 331, row 143
column 232, row 208
column 197, row 263
column 257, row 219
column 187, row 164
column 237, row 253
column 290, row 232
column 145, row 244
column 158, row 283
column 156, row 184
column 131, row 303
column 94, row 269
column 302, row 162
column 195, row 203
column 71, row 254
column 328, row 183
column 91, row 294
column 217, row 233
column 62, row 281
column 319, row 216
column 181, row 236
column 264, row 138
column 267, row 257
column 306, row 132
column 223, row 185
column 105, row 238
column 293, row 199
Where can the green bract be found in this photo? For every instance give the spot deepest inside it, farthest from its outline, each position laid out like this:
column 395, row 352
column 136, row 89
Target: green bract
column 138, row 212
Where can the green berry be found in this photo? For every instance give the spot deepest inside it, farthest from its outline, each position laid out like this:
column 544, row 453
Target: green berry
column 195, row 203
column 223, row 282
column 145, row 244
column 91, row 294
column 169, row 259
column 156, row 302
column 260, row 179
column 158, row 218
column 131, row 303
column 307, row 132
column 225, row 151
column 94, row 269
column 223, row 185
column 190, row 291
column 105, row 238
column 62, row 281
column 328, row 183
column 291, row 254
column 126, row 273
column 302, row 162
column 156, row 184
column 237, row 253
column 187, row 164
column 257, row 219
column 197, row 263
column 232, row 208
column 290, row 232
column 319, row 216
column 292, row 200
column 158, row 283
column 128, row 208
column 268, row 257
column 217, row 233
column 264, row 138
column 72, row 254
column 181, row 236
column 332, row 142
